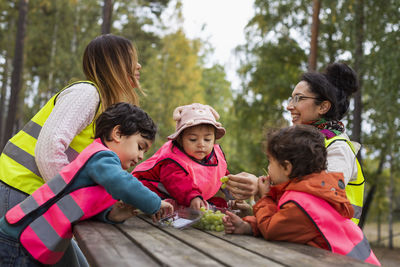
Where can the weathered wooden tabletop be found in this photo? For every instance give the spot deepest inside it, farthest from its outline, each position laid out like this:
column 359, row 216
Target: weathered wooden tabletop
column 139, row 242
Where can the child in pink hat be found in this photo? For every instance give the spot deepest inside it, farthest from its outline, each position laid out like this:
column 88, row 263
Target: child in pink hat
column 188, row 167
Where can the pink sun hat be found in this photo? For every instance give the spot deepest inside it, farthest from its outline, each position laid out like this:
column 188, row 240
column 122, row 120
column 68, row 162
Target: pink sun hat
column 195, row 114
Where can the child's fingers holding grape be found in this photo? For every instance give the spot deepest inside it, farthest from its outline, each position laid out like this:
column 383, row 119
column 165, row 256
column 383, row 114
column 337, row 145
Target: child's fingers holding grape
column 165, row 210
column 197, row 203
column 264, row 183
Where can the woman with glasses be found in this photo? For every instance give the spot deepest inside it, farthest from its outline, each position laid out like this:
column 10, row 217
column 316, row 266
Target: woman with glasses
column 322, row 100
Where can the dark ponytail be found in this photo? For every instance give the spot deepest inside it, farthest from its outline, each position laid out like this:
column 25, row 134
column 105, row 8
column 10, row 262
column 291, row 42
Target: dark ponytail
column 345, row 80
column 336, row 85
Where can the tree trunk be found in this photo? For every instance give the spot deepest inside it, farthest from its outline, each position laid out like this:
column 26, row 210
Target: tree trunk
column 53, row 51
column 391, row 199
column 358, row 67
column 16, row 76
column 3, row 92
column 372, row 190
column 379, row 226
column 366, row 206
column 312, row 63
column 74, row 39
column 107, row 14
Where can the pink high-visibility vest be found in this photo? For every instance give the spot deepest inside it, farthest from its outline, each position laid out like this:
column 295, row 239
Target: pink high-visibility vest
column 205, row 177
column 47, row 237
column 342, row 235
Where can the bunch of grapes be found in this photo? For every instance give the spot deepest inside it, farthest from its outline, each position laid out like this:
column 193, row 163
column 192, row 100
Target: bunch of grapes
column 224, row 180
column 210, row 220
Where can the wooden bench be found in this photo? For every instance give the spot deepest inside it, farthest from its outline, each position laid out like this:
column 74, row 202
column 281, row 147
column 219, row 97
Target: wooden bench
column 140, row 242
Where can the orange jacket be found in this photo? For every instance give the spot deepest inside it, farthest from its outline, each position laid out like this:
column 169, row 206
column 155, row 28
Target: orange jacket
column 290, row 223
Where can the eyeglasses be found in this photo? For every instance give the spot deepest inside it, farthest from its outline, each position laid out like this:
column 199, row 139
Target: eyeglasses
column 295, row 100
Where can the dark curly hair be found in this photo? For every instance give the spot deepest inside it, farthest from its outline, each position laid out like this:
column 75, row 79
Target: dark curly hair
column 302, row 145
column 336, row 84
column 130, row 118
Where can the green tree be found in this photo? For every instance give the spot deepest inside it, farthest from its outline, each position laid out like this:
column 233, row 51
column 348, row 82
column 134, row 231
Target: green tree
column 17, row 71
column 8, row 18
column 365, row 37
column 217, row 90
column 58, row 33
column 218, row 94
column 383, row 94
column 172, row 78
column 269, row 72
column 140, row 21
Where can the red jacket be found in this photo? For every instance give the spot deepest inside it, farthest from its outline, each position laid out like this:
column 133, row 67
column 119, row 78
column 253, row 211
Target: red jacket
column 171, row 173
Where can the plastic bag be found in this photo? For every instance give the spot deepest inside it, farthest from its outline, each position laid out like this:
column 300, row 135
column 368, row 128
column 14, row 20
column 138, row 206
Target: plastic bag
column 181, row 218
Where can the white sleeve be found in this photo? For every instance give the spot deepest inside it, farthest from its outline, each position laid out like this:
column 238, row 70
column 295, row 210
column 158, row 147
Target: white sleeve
column 75, row 109
column 342, row 159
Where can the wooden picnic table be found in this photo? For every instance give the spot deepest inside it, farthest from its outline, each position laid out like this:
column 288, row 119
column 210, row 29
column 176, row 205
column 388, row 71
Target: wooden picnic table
column 140, row 242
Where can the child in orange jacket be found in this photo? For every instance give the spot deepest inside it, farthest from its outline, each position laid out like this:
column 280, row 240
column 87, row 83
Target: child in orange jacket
column 299, row 201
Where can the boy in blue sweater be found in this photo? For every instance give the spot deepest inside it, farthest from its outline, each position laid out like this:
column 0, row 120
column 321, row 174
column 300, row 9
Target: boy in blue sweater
column 38, row 230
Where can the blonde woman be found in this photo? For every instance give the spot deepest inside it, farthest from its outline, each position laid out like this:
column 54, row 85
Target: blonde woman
column 65, row 125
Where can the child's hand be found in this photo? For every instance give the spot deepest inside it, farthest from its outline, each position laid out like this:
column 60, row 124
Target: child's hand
column 264, row 183
column 121, row 212
column 233, row 224
column 165, row 210
column 197, row 203
column 243, row 206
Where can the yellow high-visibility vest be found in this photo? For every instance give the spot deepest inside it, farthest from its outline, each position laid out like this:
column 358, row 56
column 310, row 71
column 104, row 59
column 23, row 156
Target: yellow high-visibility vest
column 18, row 167
column 354, row 189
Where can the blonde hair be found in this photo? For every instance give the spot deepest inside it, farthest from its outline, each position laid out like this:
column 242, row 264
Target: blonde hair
column 110, row 62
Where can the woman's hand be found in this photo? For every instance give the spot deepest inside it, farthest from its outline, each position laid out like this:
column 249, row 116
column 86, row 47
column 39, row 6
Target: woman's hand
column 197, row 203
column 242, row 185
column 165, row 210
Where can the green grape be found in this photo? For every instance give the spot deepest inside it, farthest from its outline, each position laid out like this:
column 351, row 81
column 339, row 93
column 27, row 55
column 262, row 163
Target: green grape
column 224, row 179
column 211, row 221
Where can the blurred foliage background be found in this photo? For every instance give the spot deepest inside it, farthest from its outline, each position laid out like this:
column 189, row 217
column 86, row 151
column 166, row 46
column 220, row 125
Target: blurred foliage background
column 363, row 33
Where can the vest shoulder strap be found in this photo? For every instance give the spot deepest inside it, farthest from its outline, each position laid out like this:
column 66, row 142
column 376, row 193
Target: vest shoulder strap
column 332, row 140
column 74, row 83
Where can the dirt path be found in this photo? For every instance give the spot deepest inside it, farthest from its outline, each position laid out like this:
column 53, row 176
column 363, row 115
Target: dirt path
column 387, row 257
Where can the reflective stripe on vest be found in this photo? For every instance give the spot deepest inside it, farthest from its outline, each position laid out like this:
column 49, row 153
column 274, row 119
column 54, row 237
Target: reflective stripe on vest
column 206, row 177
column 342, row 235
column 18, row 167
column 54, row 211
column 354, row 189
